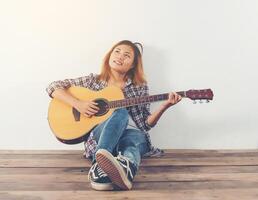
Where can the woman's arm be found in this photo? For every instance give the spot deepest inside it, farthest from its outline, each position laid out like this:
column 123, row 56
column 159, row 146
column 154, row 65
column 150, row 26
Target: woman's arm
column 173, row 99
column 87, row 108
column 84, row 81
column 64, row 96
column 57, row 89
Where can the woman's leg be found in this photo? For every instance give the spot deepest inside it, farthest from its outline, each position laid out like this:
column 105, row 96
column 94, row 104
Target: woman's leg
column 122, row 169
column 108, row 133
column 133, row 145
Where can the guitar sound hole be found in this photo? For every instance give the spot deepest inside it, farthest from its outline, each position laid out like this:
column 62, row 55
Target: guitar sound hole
column 103, row 106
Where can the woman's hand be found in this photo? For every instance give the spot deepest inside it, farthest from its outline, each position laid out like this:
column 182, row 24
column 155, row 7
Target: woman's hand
column 173, row 99
column 87, row 108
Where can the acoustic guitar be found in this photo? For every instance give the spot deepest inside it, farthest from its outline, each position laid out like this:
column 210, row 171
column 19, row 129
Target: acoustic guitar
column 71, row 127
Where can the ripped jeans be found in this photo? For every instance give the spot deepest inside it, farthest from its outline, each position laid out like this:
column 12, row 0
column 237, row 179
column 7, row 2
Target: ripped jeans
column 113, row 136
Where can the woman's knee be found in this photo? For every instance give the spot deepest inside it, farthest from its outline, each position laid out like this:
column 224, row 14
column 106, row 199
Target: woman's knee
column 122, row 112
column 133, row 137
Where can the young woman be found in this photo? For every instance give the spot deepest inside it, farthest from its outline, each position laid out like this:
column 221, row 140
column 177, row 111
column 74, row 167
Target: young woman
column 117, row 145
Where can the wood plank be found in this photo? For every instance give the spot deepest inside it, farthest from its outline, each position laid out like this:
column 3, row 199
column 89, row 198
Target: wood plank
column 205, row 161
column 160, row 177
column 201, row 161
column 142, row 170
column 199, row 169
column 157, row 185
column 47, row 152
column 211, row 194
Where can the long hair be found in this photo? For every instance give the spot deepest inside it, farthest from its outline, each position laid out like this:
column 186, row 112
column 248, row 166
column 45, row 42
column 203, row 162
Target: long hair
column 136, row 74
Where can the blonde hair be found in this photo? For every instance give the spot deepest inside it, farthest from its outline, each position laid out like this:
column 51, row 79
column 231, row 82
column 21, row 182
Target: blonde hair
column 136, row 74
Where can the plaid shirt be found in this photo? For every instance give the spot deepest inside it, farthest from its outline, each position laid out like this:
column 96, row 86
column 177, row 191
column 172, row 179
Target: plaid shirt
column 138, row 113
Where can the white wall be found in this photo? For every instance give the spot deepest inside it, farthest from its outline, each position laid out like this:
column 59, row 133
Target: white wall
column 187, row 44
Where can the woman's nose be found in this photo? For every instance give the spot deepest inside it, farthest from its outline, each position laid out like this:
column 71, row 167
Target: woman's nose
column 120, row 57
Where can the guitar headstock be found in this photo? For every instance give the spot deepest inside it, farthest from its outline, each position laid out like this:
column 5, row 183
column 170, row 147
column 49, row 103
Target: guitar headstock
column 205, row 94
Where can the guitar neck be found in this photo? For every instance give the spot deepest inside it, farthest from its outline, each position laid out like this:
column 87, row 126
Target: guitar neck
column 141, row 100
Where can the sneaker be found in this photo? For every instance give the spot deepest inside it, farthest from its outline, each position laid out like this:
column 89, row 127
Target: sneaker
column 119, row 169
column 99, row 179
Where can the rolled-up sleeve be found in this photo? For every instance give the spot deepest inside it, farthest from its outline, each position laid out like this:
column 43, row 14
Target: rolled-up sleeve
column 84, row 81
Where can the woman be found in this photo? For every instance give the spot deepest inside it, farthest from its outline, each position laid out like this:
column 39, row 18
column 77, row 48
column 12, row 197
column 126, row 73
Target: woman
column 117, row 145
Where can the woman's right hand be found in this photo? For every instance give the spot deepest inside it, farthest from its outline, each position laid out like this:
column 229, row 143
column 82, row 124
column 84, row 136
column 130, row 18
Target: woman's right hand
column 87, row 108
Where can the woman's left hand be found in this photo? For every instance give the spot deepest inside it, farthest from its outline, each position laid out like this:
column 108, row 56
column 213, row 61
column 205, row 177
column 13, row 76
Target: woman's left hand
column 173, row 99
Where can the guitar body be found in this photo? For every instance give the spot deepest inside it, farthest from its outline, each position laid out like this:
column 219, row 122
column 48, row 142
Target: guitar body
column 71, row 127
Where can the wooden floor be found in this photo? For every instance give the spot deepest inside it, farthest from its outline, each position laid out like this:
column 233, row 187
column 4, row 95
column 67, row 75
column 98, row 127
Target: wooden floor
column 180, row 175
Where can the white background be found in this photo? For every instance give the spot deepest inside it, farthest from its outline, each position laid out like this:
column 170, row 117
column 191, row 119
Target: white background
column 187, row 45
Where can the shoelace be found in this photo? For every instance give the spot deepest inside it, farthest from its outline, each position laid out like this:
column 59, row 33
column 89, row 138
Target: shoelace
column 100, row 172
column 122, row 158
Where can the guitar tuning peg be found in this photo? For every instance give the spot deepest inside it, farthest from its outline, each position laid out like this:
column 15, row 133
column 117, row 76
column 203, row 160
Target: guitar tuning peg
column 194, row 102
column 207, row 101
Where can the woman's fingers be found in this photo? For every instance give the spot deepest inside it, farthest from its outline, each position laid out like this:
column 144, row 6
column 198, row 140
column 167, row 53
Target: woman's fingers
column 93, row 110
column 94, row 105
column 89, row 114
column 175, row 97
column 86, row 115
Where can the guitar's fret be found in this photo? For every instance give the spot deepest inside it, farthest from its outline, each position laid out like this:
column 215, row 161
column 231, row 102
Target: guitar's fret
column 192, row 94
column 148, row 99
column 165, row 96
column 142, row 99
column 181, row 93
column 110, row 104
column 133, row 101
column 137, row 100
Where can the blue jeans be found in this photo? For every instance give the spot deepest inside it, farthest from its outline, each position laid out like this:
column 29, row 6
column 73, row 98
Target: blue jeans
column 113, row 135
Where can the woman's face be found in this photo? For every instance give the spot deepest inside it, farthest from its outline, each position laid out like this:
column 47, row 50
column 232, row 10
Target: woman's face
column 121, row 59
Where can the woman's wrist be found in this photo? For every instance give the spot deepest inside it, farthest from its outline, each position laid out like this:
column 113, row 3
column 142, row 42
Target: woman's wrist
column 164, row 107
column 75, row 102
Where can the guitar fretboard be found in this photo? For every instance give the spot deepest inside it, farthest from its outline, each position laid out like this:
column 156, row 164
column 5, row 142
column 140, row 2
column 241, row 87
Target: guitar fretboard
column 141, row 100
